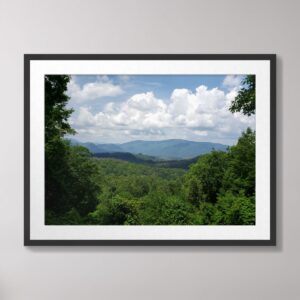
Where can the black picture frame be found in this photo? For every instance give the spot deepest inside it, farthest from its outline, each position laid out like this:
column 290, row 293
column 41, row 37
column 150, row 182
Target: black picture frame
column 32, row 57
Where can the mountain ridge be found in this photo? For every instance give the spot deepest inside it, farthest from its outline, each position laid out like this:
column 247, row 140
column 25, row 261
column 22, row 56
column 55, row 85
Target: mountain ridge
column 164, row 149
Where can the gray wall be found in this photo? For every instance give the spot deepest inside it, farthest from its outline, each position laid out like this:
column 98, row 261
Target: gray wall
column 143, row 26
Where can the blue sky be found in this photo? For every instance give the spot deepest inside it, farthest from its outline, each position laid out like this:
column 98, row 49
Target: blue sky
column 122, row 108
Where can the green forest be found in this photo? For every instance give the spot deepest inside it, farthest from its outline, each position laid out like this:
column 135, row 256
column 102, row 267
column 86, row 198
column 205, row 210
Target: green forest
column 217, row 188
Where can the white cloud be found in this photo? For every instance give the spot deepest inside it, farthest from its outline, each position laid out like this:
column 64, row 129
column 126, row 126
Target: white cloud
column 197, row 109
column 85, row 118
column 232, row 81
column 146, row 102
column 124, row 78
column 199, row 115
column 201, row 132
column 102, row 87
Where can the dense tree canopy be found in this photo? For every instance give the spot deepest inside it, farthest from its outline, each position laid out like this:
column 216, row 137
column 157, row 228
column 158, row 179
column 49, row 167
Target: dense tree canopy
column 222, row 184
column 70, row 173
column 240, row 173
column 205, row 177
column 56, row 113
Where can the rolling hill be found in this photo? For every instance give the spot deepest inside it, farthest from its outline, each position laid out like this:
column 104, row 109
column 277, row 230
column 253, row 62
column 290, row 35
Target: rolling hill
column 166, row 149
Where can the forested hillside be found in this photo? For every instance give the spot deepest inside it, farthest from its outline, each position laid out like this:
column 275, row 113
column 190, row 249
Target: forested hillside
column 216, row 188
column 148, row 160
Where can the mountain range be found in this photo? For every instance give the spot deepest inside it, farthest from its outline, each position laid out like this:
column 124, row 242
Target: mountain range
column 165, row 149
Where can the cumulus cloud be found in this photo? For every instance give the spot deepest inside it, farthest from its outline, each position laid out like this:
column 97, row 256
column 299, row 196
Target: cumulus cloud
column 232, row 81
column 196, row 109
column 200, row 114
column 102, row 87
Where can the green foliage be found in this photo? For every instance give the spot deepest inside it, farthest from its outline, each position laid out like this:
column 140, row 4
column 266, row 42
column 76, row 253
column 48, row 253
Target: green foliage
column 228, row 210
column 240, row 172
column 205, row 214
column 161, row 209
column 245, row 100
column 117, row 211
column 205, row 177
column 193, row 189
column 72, row 182
column 117, row 167
column 72, row 217
column 214, row 191
column 56, row 114
column 83, row 180
column 234, row 210
column 222, row 184
column 138, row 194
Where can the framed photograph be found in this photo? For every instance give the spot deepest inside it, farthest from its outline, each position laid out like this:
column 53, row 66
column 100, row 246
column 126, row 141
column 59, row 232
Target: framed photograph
column 150, row 149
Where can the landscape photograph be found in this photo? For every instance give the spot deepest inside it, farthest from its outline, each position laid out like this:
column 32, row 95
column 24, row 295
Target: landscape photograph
column 150, row 149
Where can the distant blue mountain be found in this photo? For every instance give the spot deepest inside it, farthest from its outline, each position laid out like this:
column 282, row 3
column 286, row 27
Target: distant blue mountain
column 166, row 149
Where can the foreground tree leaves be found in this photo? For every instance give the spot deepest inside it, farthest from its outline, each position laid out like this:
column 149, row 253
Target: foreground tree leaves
column 71, row 178
column 222, row 185
column 245, row 100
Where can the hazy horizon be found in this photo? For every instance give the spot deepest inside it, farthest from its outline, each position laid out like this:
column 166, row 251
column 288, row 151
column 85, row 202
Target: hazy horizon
column 74, row 139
